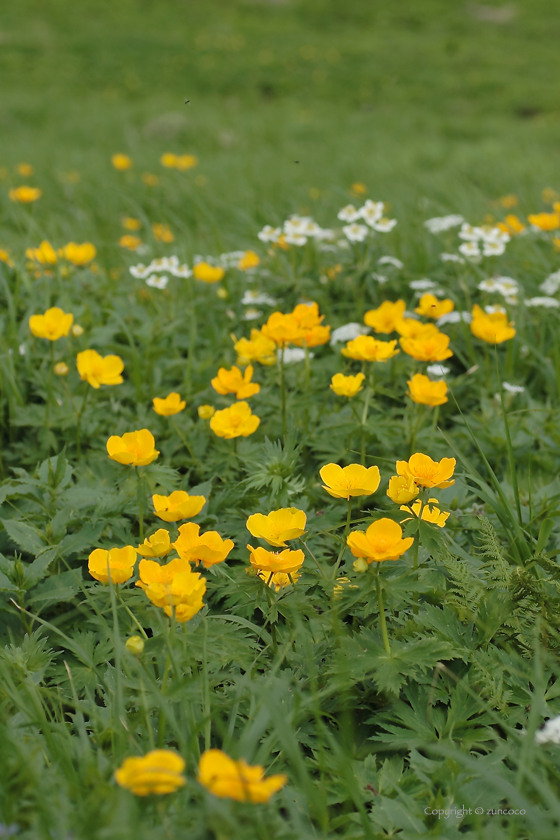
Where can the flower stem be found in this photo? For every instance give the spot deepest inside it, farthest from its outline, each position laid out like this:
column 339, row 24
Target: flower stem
column 382, row 621
column 187, row 445
column 367, row 397
column 139, row 489
column 344, row 538
column 282, row 390
column 79, row 420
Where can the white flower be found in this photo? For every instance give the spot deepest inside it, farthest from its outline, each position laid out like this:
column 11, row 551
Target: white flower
column 22, row 349
column 390, row 261
column 323, row 233
column 349, row 213
column 251, row 296
column 269, row 234
column 422, row 285
column 210, row 260
column 551, row 285
column 348, row 332
column 295, row 239
column 164, row 264
column 355, row 232
column 550, row 733
column 493, row 249
column 492, row 308
column 298, row 225
column 157, row 282
column 181, row 271
column 437, row 370
column 311, row 228
column 513, row 389
column 343, row 243
column 384, row 225
column 470, row 249
column 454, row 318
column 231, row 259
column 505, row 286
column 251, row 314
column 371, row 212
column 293, row 354
column 451, row 258
column 381, row 278
column 493, row 235
column 441, row 223
column 140, row 271
column 547, row 302
column 469, row 233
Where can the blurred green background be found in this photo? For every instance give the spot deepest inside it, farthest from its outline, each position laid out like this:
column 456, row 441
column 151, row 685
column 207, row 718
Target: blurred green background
column 435, row 105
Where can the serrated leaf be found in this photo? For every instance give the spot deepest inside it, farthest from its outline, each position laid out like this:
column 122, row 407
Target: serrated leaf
column 55, row 589
column 36, row 571
column 24, row 536
column 84, row 539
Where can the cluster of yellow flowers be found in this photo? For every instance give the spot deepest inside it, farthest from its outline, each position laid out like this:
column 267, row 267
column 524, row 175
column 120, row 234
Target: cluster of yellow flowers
column 74, row 253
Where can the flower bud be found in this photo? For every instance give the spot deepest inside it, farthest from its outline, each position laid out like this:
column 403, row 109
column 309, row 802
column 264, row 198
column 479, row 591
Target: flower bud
column 77, row 330
column 205, row 412
column 61, row 369
column 360, row 565
column 135, row 645
column 222, row 293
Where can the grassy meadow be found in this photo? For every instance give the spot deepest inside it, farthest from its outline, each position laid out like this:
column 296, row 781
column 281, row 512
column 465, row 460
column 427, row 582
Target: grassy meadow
column 279, row 399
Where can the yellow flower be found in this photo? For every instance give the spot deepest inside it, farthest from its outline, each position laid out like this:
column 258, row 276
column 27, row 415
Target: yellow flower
column 429, row 514
column 129, row 223
column 412, row 328
column 235, row 421
column 44, row 254
column 402, row 489
column 545, row 221
column 278, row 581
column 135, row 645
column 353, row 480
column 208, row 273
column 556, row 243
column 79, row 255
column 249, row 260
column 208, row 548
column 385, row 317
column 134, row 448
column 512, row 225
column 311, row 331
column 427, row 473
column 172, row 404
column 430, row 346
column 286, row 561
column 178, row 505
column 234, row 382
column 258, row 348
column 173, row 587
column 492, row 327
column 159, row 771
column 61, row 369
column 358, row 188
column 162, row 233
column 129, row 241
column 365, row 348
column 99, row 370
column 509, row 201
column 169, row 160
column 340, row 585
column 278, row 526
column 54, row 324
column 25, row 195
column 431, row 307
column 230, row 779
column 347, row 386
column 205, row 412
column 117, row 562
column 382, row 541
column 424, row 391
column 185, row 162
column 158, row 545
column 122, row 162
column 5, row 258
column 24, row 169
column 282, row 329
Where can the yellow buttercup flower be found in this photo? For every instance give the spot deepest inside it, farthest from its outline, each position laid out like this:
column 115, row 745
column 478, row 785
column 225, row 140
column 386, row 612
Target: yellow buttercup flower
column 117, row 562
column 428, row 514
column 383, row 540
column 249, row 260
column 413, row 328
column 492, row 327
column 235, row 421
column 44, row 254
column 424, row 391
column 353, row 480
column 311, row 332
column 237, row 780
column 512, row 224
column 282, row 329
column 185, row 162
column 278, row 526
column 385, row 317
column 173, row 587
column 402, row 489
column 358, row 188
column 24, row 169
column 61, row 369
column 431, row 307
column 347, row 386
column 122, row 162
column 54, row 324
column 25, row 195
column 129, row 241
column 205, row 412
column 208, row 548
column 79, row 255
column 545, row 221
column 129, row 223
column 258, row 348
column 427, row 473
column 5, row 258
column 365, row 348
column 286, row 561
column 159, row 772
column 162, row 233
column 234, row 382
column 178, row 505
column 276, row 580
column 99, row 370
column 208, row 273
column 136, row 449
column 432, row 346
column 169, row 160
column 158, row 545
column 172, row 404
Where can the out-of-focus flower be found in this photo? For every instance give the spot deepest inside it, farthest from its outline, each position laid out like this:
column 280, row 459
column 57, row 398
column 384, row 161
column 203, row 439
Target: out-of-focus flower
column 61, row 369
column 135, row 645
column 546, row 302
column 122, row 162
column 451, row 258
column 402, row 489
column 237, row 780
column 99, row 370
column 24, row 169
column 552, row 284
column 454, row 318
column 381, row 541
column 269, row 234
column 470, row 250
column 286, row 561
column 431, row 307
column 422, row 390
column 149, row 179
column 292, row 355
column 348, row 332
column 173, row 587
column 158, row 545
column 348, row 214
column 180, row 162
column 372, row 213
column 130, row 223
column 437, row 370
column 208, row 273
column 134, row 448
column 428, row 512
column 205, row 412
column 172, row 404
column 159, row 772
column 509, row 201
column 384, row 225
column 118, row 563
column 441, row 223
column 505, row 286
column 312, row 332
column 162, row 233
column 550, row 733
column 278, row 526
column 252, row 297
column 208, row 548
column 513, row 389
column 358, row 188
column 129, row 241
column 384, row 318
column 365, row 348
column 427, row 473
column 355, row 232
column 54, row 324
column 79, row 255
column 234, row 382
column 249, row 260
column 169, row 160
column 491, row 327
column 422, row 284
column 512, row 225
column 44, row 254
column 428, row 346
column 282, row 329
column 178, row 505
column 157, row 282
column 545, row 221
column 258, row 348
column 353, row 480
column 77, row 330
column 390, row 261
column 25, row 195
column 235, row 421
column 5, row 258
column 347, row 386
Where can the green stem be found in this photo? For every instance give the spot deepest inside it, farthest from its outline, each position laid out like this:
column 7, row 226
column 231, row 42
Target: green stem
column 206, row 688
column 192, row 337
column 185, row 442
column 367, row 397
column 49, row 385
column 344, row 538
column 79, row 420
column 139, row 490
column 282, row 391
column 382, row 621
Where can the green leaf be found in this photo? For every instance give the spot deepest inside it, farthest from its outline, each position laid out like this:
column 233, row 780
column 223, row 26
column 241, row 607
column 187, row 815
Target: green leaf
column 55, row 589
column 37, row 570
column 25, row 536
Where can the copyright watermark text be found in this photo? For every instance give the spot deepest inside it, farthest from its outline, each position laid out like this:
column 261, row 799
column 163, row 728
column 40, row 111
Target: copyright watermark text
column 463, row 811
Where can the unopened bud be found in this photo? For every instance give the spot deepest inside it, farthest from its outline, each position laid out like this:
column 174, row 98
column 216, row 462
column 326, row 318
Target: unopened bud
column 135, row 645
column 77, row 330
column 360, row 565
column 205, row 412
column 61, row 369
column 222, row 293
